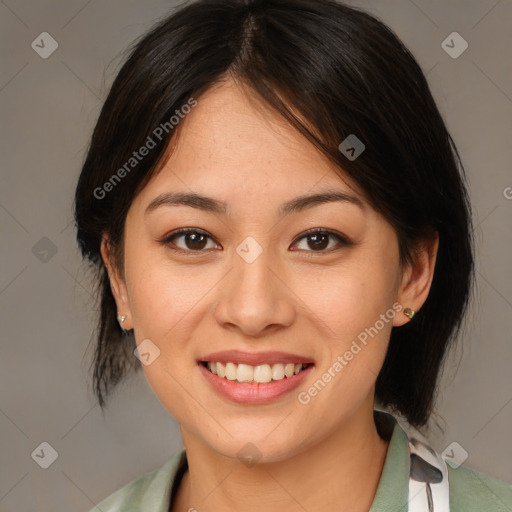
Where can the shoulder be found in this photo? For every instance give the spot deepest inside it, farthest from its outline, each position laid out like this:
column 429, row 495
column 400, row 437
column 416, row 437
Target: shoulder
column 471, row 490
column 150, row 491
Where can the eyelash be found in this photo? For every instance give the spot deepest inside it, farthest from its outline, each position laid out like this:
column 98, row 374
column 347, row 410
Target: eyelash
column 341, row 239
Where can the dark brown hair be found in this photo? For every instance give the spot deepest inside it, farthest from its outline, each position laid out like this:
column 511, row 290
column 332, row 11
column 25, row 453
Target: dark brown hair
column 330, row 70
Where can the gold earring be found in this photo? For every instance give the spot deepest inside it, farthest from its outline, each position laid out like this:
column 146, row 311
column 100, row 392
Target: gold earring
column 409, row 313
column 121, row 319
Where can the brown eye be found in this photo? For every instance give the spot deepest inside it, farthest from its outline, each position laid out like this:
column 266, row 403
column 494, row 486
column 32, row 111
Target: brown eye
column 192, row 240
column 318, row 240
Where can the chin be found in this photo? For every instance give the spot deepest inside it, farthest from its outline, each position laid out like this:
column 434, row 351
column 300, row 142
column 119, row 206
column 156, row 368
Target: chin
column 255, row 446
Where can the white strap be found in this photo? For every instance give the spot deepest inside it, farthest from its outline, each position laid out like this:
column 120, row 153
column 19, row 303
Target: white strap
column 429, row 489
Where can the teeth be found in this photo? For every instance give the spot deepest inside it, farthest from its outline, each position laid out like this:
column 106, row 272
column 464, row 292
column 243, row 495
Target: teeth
column 278, row 372
column 289, row 369
column 231, row 371
column 244, row 373
column 262, row 374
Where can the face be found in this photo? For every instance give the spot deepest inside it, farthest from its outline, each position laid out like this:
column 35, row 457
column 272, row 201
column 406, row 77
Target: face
column 257, row 283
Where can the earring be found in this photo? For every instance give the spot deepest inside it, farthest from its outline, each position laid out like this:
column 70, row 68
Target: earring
column 121, row 318
column 409, row 313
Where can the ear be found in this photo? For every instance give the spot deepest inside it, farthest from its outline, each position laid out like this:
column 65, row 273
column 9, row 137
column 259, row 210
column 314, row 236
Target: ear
column 417, row 276
column 117, row 284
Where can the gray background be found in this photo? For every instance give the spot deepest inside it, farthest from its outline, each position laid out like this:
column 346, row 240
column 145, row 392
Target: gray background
column 48, row 109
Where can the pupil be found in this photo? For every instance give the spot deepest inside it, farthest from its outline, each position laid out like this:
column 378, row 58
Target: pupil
column 195, row 241
column 317, row 243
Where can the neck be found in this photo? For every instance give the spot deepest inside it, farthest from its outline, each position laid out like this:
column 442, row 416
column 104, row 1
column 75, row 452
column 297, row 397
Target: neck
column 340, row 472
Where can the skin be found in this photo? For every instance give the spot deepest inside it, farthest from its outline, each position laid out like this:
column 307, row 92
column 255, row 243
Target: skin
column 308, row 301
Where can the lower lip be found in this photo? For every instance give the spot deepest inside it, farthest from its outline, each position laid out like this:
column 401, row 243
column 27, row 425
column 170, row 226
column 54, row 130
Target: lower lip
column 247, row 393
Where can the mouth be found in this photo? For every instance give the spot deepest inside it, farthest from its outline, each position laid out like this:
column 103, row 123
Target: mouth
column 259, row 374
column 250, row 378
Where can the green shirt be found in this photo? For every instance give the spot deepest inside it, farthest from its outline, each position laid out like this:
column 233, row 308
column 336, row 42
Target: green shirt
column 470, row 490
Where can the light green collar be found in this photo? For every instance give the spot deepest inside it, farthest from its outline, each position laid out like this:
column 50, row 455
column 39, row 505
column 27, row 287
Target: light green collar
column 393, row 489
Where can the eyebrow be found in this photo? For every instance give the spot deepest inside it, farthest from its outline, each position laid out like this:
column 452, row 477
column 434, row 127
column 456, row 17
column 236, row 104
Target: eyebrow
column 209, row 204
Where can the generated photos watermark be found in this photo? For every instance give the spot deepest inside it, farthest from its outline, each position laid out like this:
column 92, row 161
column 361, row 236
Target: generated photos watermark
column 342, row 360
column 138, row 156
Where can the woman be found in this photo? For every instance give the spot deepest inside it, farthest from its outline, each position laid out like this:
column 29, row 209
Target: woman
column 282, row 234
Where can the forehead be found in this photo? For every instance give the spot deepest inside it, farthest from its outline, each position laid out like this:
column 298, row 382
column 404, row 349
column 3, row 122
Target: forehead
column 232, row 142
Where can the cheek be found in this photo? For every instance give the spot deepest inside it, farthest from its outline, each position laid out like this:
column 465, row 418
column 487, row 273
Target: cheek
column 161, row 294
column 350, row 298
column 353, row 307
column 165, row 305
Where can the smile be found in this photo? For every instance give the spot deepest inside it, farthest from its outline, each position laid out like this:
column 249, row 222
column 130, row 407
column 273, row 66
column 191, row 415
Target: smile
column 260, row 374
column 254, row 384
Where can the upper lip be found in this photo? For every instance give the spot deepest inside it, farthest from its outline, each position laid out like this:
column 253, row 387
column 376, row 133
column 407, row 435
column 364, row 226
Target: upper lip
column 255, row 358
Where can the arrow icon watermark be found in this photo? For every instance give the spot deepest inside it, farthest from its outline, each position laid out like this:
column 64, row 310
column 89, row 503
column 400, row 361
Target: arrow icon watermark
column 454, row 45
column 352, row 147
column 146, row 352
column 45, row 455
column 249, row 249
column 44, row 45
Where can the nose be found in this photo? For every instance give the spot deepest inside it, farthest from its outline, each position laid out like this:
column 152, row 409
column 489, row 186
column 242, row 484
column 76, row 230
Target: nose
column 254, row 298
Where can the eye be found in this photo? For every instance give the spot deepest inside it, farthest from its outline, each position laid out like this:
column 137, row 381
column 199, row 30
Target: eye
column 193, row 240
column 196, row 240
column 318, row 240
